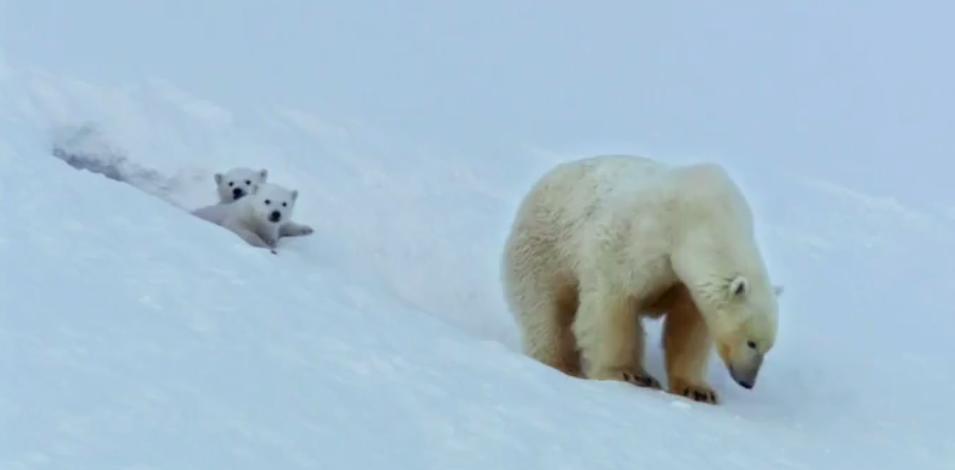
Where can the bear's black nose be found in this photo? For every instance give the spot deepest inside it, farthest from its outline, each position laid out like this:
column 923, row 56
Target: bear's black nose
column 275, row 216
column 745, row 384
column 237, row 193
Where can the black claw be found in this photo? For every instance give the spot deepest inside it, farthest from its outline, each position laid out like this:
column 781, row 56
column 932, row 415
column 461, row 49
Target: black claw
column 641, row 380
column 704, row 396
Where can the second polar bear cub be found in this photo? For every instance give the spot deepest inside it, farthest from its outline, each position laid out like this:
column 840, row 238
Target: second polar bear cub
column 599, row 243
column 255, row 218
column 238, row 182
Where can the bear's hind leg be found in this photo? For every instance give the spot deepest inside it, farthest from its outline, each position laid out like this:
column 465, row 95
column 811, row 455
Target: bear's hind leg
column 687, row 343
column 547, row 334
column 611, row 338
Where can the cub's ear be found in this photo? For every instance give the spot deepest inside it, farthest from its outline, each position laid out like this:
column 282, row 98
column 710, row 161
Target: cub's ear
column 739, row 286
column 263, row 174
column 295, row 195
column 778, row 290
column 218, row 178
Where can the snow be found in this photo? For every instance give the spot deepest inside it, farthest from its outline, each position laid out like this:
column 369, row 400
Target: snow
column 133, row 335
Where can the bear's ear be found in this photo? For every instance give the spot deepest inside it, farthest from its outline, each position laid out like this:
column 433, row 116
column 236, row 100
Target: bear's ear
column 778, row 290
column 263, row 174
column 218, row 177
column 739, row 286
column 294, row 195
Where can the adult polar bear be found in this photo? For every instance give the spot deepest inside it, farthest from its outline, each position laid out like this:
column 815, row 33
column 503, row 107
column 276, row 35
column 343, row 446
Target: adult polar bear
column 599, row 243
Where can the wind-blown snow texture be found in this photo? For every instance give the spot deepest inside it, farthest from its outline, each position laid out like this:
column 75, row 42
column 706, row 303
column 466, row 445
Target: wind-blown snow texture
column 133, row 335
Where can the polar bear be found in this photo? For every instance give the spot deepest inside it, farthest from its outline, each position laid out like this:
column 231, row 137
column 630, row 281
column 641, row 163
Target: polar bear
column 255, row 218
column 238, row 182
column 602, row 242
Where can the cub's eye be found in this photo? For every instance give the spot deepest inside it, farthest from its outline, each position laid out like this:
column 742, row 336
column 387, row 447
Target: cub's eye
column 284, row 204
column 751, row 344
column 247, row 182
column 230, row 184
column 267, row 202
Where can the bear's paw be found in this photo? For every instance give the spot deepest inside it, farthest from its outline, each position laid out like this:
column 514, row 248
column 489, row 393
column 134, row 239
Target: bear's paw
column 640, row 379
column 695, row 392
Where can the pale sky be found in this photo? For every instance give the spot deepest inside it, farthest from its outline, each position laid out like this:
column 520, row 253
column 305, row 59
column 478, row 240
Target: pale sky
column 855, row 92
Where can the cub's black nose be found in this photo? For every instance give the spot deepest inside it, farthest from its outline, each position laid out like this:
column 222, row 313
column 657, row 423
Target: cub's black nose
column 237, row 193
column 275, row 216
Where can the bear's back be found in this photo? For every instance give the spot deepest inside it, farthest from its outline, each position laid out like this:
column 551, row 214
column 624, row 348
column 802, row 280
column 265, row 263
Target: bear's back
column 707, row 194
column 582, row 188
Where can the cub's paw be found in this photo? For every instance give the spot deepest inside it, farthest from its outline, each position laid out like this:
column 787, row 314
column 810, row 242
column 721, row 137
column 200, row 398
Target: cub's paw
column 295, row 230
column 700, row 393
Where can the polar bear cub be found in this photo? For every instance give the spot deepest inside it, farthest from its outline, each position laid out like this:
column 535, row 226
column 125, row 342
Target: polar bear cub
column 239, row 182
column 256, row 218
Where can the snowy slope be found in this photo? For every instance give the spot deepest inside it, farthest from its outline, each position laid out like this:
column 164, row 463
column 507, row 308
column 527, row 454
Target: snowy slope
column 134, row 336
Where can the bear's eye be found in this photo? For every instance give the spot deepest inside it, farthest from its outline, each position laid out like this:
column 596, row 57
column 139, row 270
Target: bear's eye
column 247, row 182
column 284, row 205
column 751, row 344
column 230, row 184
column 267, row 202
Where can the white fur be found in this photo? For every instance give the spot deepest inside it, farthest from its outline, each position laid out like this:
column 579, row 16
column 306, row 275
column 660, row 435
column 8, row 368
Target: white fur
column 617, row 232
column 255, row 218
column 238, row 182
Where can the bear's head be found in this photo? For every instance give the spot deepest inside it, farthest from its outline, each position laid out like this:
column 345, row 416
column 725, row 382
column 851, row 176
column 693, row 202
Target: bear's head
column 238, row 182
column 741, row 313
column 272, row 203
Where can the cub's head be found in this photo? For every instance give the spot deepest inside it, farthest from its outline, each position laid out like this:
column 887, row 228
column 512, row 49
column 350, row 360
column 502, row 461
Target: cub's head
column 273, row 203
column 743, row 319
column 238, row 182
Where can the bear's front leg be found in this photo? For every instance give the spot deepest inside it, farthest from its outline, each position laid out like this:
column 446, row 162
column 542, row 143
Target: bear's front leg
column 269, row 235
column 687, row 342
column 252, row 238
column 610, row 339
column 292, row 229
